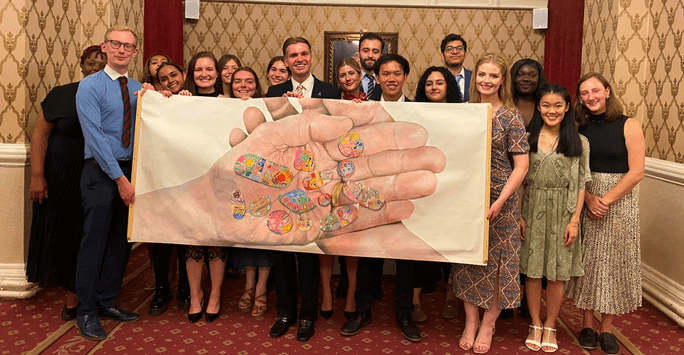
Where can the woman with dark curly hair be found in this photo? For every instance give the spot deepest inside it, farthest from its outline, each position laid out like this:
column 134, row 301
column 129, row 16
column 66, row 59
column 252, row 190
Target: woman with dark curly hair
column 437, row 85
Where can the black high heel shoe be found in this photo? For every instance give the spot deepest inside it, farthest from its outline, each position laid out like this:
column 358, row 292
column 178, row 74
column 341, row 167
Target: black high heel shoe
column 194, row 317
column 210, row 317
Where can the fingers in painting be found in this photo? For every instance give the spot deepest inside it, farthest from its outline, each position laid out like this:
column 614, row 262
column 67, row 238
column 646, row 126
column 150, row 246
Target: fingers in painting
column 236, row 137
column 392, row 162
column 279, row 107
column 361, row 114
column 381, row 137
column 393, row 212
column 252, row 118
column 404, row 186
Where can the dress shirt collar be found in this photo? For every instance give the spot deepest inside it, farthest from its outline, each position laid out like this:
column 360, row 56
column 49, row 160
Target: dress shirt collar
column 308, row 86
column 401, row 99
column 112, row 73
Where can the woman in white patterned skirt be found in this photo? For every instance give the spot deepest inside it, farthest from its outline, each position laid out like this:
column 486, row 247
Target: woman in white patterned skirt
column 610, row 222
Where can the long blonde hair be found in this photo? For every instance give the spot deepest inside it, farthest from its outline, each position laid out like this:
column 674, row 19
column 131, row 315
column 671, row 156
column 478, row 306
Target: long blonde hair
column 504, row 92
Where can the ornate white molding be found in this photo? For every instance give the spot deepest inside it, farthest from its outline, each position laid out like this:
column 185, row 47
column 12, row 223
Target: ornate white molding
column 14, row 155
column 13, row 282
column 664, row 293
column 664, row 170
column 482, row 4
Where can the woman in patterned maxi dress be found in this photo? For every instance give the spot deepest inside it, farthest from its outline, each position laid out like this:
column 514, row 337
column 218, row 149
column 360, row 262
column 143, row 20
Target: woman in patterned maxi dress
column 496, row 285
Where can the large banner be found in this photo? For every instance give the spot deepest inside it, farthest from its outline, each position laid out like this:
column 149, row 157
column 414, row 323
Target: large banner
column 377, row 179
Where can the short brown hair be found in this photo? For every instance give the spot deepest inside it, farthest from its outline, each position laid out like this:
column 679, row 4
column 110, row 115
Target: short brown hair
column 614, row 108
column 121, row 28
column 294, row 40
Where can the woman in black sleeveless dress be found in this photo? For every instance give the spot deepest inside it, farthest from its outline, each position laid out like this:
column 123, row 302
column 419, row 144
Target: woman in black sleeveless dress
column 56, row 164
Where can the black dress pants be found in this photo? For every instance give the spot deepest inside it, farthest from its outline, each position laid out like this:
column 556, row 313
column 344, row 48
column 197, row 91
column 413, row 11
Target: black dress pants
column 296, row 273
column 104, row 250
column 161, row 257
column 403, row 290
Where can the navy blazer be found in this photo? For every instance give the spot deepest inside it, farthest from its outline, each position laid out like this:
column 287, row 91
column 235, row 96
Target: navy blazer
column 321, row 90
column 377, row 93
column 468, row 76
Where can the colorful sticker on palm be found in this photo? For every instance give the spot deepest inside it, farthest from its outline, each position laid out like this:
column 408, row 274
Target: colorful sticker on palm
column 256, row 168
column 365, row 196
column 279, row 222
column 339, row 218
column 304, row 223
column 324, row 200
column 237, row 197
column 238, row 204
column 317, row 179
column 297, row 201
column 238, row 211
column 304, row 160
column 346, row 169
column 260, row 206
column 350, row 145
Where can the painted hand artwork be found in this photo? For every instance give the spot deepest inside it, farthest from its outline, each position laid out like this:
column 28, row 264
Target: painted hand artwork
column 328, row 170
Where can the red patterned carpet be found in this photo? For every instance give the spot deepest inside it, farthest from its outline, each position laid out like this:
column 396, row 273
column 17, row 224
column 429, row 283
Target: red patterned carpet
column 34, row 326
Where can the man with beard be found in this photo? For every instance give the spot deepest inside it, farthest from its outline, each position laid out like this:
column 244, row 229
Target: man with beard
column 454, row 50
column 371, row 47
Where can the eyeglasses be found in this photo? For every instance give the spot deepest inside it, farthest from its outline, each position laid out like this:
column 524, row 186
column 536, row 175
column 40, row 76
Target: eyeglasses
column 129, row 47
column 460, row 49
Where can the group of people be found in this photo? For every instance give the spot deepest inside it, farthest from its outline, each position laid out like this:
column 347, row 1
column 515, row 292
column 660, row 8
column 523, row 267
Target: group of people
column 564, row 211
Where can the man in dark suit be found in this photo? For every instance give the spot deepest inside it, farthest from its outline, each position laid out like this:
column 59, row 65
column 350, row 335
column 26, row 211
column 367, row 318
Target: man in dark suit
column 454, row 50
column 298, row 271
column 371, row 47
column 302, row 83
column 391, row 71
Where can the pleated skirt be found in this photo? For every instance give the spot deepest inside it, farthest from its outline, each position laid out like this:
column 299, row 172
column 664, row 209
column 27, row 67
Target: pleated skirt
column 612, row 255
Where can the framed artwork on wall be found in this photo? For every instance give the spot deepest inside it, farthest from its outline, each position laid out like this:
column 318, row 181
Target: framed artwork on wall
column 341, row 45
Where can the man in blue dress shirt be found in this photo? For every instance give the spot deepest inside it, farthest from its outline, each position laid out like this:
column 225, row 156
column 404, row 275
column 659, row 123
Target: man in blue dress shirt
column 454, row 51
column 106, row 110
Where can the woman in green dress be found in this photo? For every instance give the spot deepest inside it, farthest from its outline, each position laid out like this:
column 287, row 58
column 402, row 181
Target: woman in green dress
column 552, row 202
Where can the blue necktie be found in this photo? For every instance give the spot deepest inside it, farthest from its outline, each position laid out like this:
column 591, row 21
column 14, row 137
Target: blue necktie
column 371, row 86
column 461, row 88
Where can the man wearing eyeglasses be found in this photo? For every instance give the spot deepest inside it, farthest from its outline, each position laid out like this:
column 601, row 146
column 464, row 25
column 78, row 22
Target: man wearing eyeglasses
column 106, row 106
column 454, row 51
